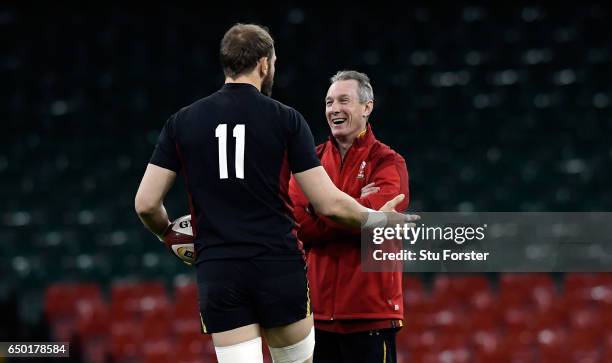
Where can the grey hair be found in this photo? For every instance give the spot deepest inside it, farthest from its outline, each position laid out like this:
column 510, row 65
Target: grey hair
column 365, row 91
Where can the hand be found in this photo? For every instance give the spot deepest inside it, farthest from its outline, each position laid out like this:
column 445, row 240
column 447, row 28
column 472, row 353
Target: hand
column 369, row 189
column 394, row 218
column 390, row 205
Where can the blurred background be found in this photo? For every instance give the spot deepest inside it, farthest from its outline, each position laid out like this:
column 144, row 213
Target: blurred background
column 495, row 108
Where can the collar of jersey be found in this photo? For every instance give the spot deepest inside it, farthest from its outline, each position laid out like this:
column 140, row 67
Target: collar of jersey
column 239, row 87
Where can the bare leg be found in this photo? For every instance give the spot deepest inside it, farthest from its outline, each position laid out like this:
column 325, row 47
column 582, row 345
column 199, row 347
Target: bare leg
column 289, row 334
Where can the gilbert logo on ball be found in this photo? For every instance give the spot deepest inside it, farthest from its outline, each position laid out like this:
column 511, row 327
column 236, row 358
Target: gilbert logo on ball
column 179, row 239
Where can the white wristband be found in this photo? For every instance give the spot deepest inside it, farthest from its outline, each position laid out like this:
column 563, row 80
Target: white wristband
column 375, row 219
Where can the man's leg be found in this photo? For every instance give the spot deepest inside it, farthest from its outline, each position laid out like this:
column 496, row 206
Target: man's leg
column 327, row 349
column 293, row 343
column 226, row 311
column 240, row 345
column 372, row 346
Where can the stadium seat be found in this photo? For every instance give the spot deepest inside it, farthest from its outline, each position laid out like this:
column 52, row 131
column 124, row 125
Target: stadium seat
column 127, row 345
column 61, row 301
column 552, row 345
column 584, row 319
column 588, row 288
column 194, row 346
column 459, row 287
column 61, row 298
column 157, row 350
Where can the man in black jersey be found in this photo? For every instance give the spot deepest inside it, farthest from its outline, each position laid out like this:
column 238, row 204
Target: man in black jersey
column 236, row 149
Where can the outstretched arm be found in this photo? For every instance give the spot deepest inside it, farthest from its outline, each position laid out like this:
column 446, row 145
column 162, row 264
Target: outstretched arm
column 332, row 203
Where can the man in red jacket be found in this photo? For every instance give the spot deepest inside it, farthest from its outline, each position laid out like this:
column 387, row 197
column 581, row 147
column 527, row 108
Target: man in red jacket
column 357, row 314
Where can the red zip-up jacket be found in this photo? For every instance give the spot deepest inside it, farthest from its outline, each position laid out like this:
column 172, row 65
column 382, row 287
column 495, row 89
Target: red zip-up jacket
column 340, row 291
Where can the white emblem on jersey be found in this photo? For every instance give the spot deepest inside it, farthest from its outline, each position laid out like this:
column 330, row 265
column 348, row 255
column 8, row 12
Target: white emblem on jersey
column 361, row 173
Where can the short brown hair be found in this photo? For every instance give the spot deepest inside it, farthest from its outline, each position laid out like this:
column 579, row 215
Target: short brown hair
column 365, row 91
column 242, row 46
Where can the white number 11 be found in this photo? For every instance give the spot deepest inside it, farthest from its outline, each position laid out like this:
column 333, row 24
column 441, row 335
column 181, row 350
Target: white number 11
column 238, row 133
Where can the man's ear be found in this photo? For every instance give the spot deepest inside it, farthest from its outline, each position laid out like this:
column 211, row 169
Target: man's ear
column 263, row 66
column 369, row 106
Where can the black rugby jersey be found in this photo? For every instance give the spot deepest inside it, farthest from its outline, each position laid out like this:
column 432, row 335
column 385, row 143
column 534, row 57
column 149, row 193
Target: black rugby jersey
column 236, row 149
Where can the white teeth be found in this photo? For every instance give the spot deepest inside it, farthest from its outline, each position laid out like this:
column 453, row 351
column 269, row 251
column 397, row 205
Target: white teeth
column 338, row 121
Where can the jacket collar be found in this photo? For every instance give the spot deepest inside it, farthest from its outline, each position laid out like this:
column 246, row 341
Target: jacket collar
column 366, row 138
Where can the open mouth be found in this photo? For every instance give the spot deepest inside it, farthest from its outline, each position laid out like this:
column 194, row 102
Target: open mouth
column 338, row 121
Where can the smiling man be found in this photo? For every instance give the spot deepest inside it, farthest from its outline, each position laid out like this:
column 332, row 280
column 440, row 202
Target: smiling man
column 356, row 314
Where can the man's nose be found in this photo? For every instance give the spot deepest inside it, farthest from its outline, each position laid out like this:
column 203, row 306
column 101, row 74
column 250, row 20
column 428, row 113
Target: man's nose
column 335, row 109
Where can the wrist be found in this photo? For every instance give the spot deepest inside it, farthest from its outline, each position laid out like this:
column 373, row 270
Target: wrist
column 161, row 235
column 375, row 219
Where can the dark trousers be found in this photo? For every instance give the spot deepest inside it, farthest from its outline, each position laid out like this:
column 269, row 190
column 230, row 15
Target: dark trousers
column 375, row 346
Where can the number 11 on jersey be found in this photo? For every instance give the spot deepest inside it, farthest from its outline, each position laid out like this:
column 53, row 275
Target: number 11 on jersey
column 238, row 133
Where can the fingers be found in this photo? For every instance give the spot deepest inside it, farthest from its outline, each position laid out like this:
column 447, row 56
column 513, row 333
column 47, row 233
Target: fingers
column 369, row 189
column 390, row 205
column 366, row 192
column 408, row 220
column 412, row 217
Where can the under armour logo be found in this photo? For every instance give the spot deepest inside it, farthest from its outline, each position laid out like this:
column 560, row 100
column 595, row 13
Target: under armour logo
column 361, row 173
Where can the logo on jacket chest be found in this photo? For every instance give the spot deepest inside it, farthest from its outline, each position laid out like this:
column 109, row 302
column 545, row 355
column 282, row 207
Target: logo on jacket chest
column 361, row 173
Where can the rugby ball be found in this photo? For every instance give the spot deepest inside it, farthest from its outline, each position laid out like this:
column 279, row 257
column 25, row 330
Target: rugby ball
column 179, row 239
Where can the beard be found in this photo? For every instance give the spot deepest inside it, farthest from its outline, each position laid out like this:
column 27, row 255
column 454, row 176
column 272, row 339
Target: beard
column 266, row 84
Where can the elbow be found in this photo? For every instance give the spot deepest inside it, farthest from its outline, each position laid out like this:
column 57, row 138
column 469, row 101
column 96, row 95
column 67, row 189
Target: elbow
column 144, row 206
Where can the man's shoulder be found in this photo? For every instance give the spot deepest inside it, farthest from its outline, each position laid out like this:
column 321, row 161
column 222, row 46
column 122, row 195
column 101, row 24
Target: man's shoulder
column 283, row 107
column 382, row 151
column 213, row 99
column 202, row 102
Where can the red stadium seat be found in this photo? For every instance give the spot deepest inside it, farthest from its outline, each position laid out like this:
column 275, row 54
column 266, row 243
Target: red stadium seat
column 461, row 355
column 587, row 319
column 517, row 319
column 95, row 350
column 525, row 281
column 486, row 342
column 186, row 325
column 157, row 350
column 126, row 346
column 452, row 321
column 125, row 289
column 186, row 312
column 522, row 289
column 416, row 341
column 61, row 298
column 459, row 287
column 515, row 347
column 588, row 288
column 140, row 300
column 92, row 320
column 60, row 303
column 411, row 282
column 195, row 346
column 482, row 300
column 154, row 328
column 552, row 344
column 186, row 295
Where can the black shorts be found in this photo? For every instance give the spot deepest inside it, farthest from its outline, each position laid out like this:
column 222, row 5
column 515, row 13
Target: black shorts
column 235, row 293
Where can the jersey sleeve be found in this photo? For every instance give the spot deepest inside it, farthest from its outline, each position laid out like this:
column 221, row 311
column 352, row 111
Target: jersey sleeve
column 301, row 149
column 165, row 154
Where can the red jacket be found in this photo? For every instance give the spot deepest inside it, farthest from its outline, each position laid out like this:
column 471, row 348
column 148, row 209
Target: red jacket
column 339, row 289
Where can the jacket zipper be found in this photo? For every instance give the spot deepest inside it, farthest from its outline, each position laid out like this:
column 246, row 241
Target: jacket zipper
column 341, row 179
